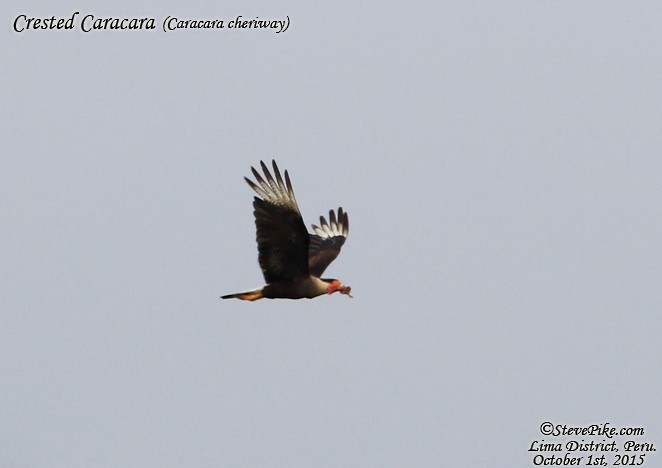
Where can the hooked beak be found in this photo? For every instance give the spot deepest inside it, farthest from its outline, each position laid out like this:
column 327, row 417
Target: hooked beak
column 346, row 290
column 337, row 286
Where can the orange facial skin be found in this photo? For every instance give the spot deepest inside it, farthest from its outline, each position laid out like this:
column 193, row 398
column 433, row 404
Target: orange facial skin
column 337, row 286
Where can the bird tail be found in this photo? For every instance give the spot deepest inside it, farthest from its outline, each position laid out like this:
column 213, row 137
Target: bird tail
column 245, row 296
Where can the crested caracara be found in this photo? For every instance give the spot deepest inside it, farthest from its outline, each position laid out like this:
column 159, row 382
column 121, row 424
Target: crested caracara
column 292, row 260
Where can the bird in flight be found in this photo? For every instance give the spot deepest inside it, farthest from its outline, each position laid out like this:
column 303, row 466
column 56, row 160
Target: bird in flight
column 292, row 261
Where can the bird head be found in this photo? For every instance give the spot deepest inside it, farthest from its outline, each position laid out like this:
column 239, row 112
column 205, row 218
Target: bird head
column 336, row 286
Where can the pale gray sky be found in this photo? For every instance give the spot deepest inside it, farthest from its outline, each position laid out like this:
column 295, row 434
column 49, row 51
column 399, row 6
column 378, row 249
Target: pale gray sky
column 500, row 163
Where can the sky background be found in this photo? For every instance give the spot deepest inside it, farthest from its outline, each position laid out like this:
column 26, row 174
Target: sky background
column 500, row 164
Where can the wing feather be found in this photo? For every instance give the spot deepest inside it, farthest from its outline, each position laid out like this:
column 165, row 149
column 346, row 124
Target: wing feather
column 327, row 241
column 282, row 238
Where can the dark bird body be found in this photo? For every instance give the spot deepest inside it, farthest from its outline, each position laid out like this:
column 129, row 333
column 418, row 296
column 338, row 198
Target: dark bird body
column 291, row 259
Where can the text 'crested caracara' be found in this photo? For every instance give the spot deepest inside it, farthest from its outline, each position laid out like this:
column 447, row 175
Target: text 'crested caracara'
column 292, row 260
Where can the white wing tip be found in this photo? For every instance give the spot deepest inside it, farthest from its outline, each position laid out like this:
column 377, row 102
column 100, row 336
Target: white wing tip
column 333, row 228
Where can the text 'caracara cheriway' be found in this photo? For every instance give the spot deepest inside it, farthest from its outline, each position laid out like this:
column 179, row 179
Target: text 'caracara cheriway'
column 292, row 260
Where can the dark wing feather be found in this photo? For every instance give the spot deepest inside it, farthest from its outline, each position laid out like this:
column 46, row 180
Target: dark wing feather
column 327, row 241
column 282, row 238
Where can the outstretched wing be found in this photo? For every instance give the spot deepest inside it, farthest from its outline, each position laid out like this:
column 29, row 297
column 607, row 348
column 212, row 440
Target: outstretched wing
column 327, row 241
column 282, row 238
